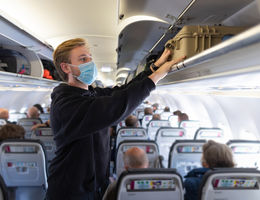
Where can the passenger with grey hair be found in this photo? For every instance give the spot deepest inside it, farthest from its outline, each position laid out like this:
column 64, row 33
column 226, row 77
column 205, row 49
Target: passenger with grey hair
column 134, row 158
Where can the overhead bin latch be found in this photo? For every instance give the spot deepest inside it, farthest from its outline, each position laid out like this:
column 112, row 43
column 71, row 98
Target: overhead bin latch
column 172, row 18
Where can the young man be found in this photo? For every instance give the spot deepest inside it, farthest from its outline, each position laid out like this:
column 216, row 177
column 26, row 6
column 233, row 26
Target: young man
column 81, row 116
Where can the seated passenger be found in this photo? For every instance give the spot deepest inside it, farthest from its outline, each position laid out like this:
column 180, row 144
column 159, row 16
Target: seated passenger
column 155, row 106
column 177, row 112
column 183, row 117
column 214, row 155
column 166, row 109
column 11, row 131
column 156, row 117
column 148, row 111
column 33, row 113
column 131, row 121
column 44, row 125
column 4, row 114
column 133, row 158
column 39, row 107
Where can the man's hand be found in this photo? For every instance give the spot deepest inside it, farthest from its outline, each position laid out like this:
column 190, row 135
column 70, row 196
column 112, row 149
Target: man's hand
column 164, row 69
column 163, row 58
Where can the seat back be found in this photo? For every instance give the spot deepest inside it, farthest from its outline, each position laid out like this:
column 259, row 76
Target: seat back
column 140, row 114
column 45, row 117
column 13, row 117
column 27, row 124
column 215, row 134
column 230, row 184
column 165, row 115
column 185, row 155
column 191, row 126
column 152, row 184
column 146, row 120
column 158, row 111
column 174, row 121
column 130, row 133
column 120, row 125
column 150, row 147
column 154, row 125
column 46, row 137
column 23, row 168
column 246, row 153
column 165, row 137
column 137, row 110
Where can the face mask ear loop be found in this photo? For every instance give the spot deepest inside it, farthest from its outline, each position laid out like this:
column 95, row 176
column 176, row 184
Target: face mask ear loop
column 74, row 76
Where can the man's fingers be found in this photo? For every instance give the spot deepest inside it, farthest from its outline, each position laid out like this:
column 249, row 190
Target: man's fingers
column 177, row 60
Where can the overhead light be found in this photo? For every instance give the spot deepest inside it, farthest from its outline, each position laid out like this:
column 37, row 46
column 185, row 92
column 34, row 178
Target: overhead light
column 106, row 69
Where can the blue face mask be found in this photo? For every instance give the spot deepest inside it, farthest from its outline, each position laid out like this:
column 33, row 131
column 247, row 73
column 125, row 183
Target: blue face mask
column 88, row 72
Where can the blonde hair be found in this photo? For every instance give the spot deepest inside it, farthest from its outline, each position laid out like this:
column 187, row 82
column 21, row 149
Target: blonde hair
column 217, row 155
column 62, row 54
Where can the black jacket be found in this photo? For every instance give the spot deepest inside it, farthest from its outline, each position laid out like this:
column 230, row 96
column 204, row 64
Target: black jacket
column 80, row 120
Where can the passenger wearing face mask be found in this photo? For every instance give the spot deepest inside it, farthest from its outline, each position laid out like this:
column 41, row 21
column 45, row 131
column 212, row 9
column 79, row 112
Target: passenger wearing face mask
column 81, row 116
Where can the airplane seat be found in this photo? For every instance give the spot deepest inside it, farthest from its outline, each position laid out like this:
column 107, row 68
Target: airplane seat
column 174, row 120
column 3, row 190
column 215, row 134
column 150, row 147
column 185, row 155
column 246, row 153
column 152, row 184
column 140, row 114
column 120, row 125
column 130, row 133
column 154, row 125
column 13, row 117
column 165, row 137
column 45, row 117
column 165, row 115
column 27, row 124
column 190, row 126
column 2, row 122
column 230, row 184
column 146, row 120
column 46, row 137
column 158, row 111
column 23, row 168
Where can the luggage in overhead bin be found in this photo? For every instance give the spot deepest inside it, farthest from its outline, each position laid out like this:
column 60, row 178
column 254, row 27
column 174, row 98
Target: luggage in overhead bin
column 191, row 40
column 14, row 61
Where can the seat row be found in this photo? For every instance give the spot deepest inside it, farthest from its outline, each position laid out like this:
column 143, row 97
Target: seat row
column 185, row 155
column 153, row 184
column 166, row 136
column 152, row 126
column 24, row 171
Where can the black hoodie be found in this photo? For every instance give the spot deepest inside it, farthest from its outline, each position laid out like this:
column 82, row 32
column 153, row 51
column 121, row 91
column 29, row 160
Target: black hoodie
column 80, row 120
